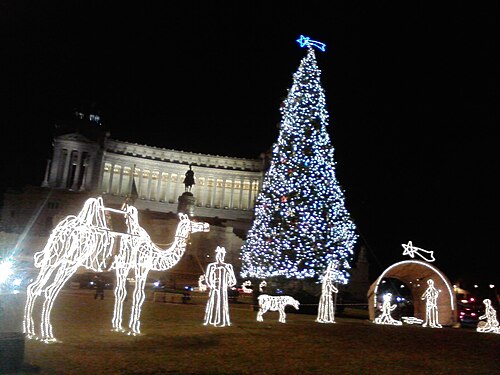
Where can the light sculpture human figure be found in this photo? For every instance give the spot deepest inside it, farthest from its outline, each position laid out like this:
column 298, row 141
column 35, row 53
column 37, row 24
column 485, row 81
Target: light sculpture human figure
column 219, row 277
column 262, row 286
column 86, row 240
column 326, row 311
column 490, row 323
column 431, row 295
column 387, row 308
column 202, row 287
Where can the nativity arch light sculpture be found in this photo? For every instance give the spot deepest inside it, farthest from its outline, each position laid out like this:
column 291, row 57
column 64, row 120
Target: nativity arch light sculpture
column 408, row 271
column 86, row 240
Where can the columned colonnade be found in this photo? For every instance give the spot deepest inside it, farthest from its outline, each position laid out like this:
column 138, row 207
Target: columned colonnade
column 214, row 188
column 79, row 164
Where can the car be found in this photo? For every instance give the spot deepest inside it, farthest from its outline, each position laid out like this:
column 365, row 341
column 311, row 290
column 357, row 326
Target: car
column 469, row 311
column 88, row 281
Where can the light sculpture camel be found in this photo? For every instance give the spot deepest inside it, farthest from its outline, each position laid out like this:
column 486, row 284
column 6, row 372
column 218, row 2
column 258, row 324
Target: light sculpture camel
column 86, row 240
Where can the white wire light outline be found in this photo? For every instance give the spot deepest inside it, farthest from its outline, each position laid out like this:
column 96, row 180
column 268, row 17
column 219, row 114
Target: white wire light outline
column 86, row 240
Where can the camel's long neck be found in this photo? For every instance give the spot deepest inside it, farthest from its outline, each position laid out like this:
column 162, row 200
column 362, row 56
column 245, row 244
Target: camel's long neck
column 166, row 259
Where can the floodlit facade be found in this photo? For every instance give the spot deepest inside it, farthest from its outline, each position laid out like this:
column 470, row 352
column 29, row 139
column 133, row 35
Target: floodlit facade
column 86, row 162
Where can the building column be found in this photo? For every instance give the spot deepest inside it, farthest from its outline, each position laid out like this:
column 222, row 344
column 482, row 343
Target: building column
column 110, row 180
column 159, row 181
column 67, row 164
column 74, row 183
column 249, row 194
column 223, row 198
column 45, row 182
column 231, row 196
column 120, row 181
column 240, row 203
column 212, row 198
column 150, row 183
column 167, row 187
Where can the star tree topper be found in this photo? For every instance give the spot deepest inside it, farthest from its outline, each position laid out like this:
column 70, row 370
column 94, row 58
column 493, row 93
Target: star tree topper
column 305, row 41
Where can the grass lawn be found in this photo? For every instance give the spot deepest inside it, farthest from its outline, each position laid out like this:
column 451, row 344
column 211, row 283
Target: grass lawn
column 175, row 341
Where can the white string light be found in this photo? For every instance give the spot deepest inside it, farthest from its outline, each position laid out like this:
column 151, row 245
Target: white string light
column 86, row 240
column 275, row 303
column 430, row 296
column 411, row 250
column 387, row 308
column 326, row 312
column 381, row 280
column 262, row 286
column 411, row 320
column 219, row 277
column 490, row 323
column 246, row 287
column 202, row 287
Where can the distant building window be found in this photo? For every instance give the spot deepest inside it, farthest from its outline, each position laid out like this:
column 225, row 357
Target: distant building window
column 49, row 223
column 95, row 118
column 53, row 205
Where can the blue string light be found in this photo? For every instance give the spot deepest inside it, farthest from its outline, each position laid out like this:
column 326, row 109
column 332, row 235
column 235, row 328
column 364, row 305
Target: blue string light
column 305, row 41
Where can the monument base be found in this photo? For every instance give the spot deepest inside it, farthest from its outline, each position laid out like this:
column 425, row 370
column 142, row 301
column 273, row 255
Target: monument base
column 186, row 203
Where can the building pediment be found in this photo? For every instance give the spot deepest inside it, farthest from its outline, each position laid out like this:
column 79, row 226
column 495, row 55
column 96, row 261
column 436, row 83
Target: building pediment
column 75, row 137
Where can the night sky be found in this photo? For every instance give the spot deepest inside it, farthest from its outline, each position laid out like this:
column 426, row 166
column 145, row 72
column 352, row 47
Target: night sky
column 412, row 93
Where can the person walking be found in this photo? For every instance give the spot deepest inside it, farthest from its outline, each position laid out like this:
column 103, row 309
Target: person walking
column 99, row 289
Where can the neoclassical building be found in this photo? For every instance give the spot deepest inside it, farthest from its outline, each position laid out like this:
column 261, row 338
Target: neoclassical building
column 87, row 162
column 225, row 187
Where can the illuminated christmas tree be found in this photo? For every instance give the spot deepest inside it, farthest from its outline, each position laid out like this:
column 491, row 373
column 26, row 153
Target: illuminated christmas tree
column 301, row 223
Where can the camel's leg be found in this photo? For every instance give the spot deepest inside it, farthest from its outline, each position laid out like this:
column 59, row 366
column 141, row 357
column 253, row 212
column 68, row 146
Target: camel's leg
column 62, row 276
column 120, row 294
column 137, row 300
column 32, row 293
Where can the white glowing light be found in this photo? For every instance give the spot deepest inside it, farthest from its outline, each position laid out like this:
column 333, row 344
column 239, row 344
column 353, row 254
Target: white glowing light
column 275, row 303
column 6, row 270
column 326, row 312
column 430, row 296
column 202, row 287
column 411, row 320
column 426, row 265
column 219, row 277
column 411, row 250
column 245, row 286
column 262, row 286
column 490, row 323
column 86, row 240
column 387, row 308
